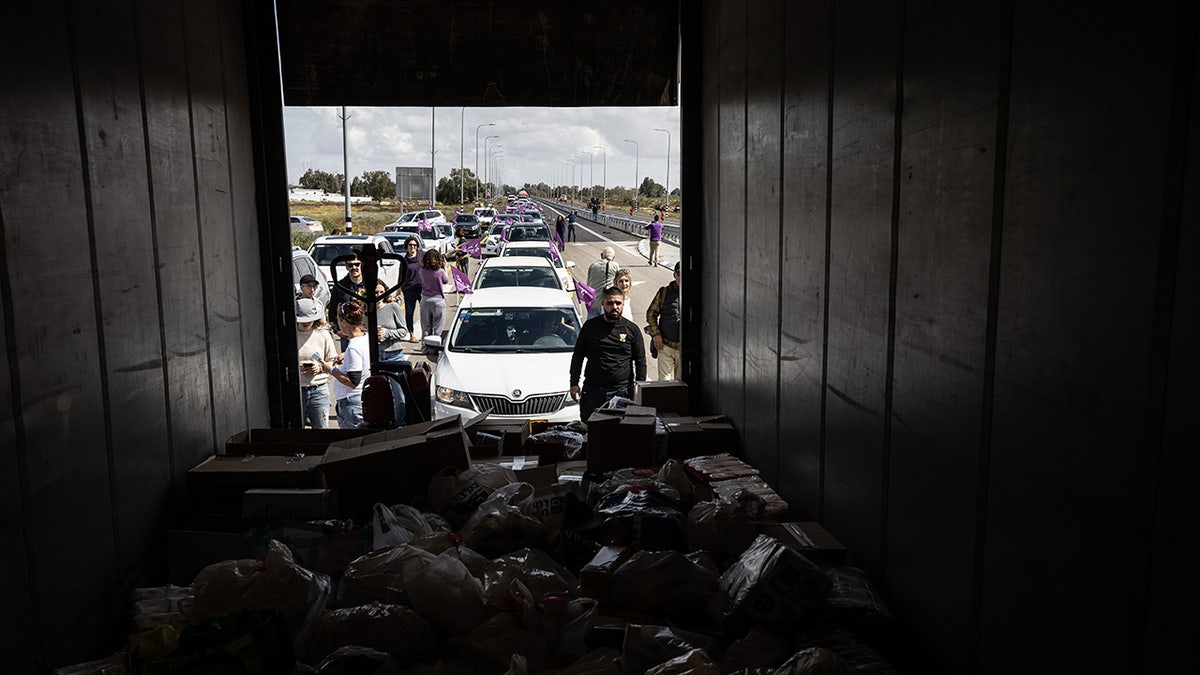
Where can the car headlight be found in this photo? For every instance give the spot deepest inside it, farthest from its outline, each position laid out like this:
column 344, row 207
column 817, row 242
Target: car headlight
column 453, row 397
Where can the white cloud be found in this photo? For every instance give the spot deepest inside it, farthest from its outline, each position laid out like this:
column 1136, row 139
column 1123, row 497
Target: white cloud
column 537, row 144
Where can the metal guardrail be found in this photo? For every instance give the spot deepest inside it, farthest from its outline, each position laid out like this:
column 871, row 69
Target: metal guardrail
column 622, row 223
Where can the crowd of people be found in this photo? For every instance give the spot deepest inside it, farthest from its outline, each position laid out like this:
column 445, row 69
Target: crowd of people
column 609, row 341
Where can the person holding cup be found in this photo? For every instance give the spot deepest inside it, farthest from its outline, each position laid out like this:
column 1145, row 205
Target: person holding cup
column 316, row 349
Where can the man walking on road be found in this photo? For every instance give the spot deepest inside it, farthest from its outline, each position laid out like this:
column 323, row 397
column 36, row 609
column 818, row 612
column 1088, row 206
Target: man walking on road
column 655, row 228
column 662, row 322
column 571, row 226
column 615, row 353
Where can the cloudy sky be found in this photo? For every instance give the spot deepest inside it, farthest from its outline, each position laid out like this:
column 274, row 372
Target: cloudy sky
column 532, row 144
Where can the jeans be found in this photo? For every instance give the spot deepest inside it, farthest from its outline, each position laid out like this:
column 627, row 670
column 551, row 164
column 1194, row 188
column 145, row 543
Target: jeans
column 591, row 398
column 411, row 296
column 349, row 412
column 571, row 232
column 396, row 355
column 314, row 401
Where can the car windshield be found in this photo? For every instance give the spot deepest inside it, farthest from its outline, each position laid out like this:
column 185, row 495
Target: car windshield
column 323, row 254
column 537, row 277
column 524, row 329
column 484, row 213
column 397, row 238
column 543, row 252
column 464, row 218
column 529, row 232
column 444, row 230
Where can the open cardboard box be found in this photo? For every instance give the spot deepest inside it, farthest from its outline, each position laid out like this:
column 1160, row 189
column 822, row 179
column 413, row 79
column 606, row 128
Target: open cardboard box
column 393, row 466
column 287, row 441
column 622, row 438
column 216, row 484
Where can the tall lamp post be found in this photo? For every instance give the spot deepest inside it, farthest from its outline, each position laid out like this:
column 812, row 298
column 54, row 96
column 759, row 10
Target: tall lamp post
column 493, row 154
column 635, row 170
column 604, row 190
column 571, row 186
column 489, row 124
column 591, row 173
column 668, row 165
column 485, row 159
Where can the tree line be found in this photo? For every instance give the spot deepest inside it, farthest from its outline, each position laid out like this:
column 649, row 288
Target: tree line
column 377, row 185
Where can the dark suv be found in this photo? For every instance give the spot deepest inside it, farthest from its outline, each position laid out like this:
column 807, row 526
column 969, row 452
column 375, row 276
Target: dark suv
column 466, row 226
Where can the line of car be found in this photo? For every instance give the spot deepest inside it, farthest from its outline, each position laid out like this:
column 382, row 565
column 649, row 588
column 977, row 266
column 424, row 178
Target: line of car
column 507, row 351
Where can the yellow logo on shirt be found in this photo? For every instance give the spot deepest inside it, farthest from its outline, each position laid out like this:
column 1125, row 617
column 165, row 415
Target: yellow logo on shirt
column 622, row 336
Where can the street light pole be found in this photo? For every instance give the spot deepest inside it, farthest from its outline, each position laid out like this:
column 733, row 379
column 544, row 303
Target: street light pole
column 604, row 190
column 668, row 188
column 346, row 170
column 485, row 157
column 635, row 170
column 462, row 168
column 489, row 124
column 571, row 186
column 591, row 173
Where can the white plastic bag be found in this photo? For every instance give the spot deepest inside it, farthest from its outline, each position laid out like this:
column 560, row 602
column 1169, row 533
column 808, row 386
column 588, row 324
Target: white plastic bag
column 447, row 595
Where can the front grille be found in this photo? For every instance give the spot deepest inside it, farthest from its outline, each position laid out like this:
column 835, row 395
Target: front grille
column 534, row 405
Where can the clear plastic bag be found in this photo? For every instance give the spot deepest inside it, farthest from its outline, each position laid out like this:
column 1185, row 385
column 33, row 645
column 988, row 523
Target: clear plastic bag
column 382, row 576
column 720, row 527
column 447, row 595
column 358, row 661
column 759, row 648
column 274, row 583
column 695, row 662
column 540, row 573
column 647, row 646
column 499, row 526
column 456, row 495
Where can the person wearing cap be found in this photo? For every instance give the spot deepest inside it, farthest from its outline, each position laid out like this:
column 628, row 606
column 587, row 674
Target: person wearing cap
column 662, row 323
column 308, row 289
column 316, row 348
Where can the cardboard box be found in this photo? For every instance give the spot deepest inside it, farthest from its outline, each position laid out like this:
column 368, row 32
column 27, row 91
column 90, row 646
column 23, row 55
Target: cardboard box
column 287, row 441
column 809, row 539
column 689, row 437
column 666, row 396
column 595, row 578
column 622, row 438
column 393, row 466
column 216, row 484
column 484, row 440
column 266, row 504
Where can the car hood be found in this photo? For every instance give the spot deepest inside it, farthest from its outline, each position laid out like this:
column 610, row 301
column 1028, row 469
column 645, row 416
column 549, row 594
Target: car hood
column 500, row 374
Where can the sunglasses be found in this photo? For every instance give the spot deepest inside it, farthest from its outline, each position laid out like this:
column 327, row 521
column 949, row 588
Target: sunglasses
column 353, row 266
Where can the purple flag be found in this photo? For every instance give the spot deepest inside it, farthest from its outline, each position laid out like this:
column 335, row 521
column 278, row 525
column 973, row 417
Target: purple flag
column 461, row 282
column 471, row 247
column 504, row 231
column 557, row 239
column 585, row 293
column 424, row 226
column 554, row 252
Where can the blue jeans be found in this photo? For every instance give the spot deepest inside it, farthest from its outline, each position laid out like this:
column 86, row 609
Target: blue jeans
column 591, row 398
column 411, row 296
column 349, row 412
column 314, row 401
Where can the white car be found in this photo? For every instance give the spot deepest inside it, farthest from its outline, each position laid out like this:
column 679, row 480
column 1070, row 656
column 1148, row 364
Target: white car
column 303, row 263
column 486, row 214
column 507, row 353
column 431, row 215
column 325, row 249
column 437, row 237
column 547, row 250
column 306, row 224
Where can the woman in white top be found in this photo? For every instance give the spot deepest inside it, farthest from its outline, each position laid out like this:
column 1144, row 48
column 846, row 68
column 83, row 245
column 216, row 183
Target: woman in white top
column 624, row 281
column 316, row 350
column 354, row 365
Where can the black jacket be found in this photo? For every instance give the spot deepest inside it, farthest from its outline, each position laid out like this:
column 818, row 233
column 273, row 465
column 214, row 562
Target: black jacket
column 615, row 353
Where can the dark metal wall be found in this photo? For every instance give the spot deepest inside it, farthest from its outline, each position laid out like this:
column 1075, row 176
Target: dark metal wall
column 131, row 288
column 955, row 303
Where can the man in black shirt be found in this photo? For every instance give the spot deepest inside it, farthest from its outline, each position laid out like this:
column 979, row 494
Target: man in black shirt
column 616, row 356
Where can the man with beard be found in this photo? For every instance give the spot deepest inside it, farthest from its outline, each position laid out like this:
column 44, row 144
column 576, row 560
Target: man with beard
column 354, row 279
column 616, row 356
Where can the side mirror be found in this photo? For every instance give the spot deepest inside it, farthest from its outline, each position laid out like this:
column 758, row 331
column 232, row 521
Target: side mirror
column 433, row 342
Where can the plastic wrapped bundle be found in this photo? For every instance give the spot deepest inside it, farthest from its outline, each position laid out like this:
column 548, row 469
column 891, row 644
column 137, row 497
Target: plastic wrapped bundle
column 397, row 630
column 855, row 604
column 382, row 576
column 456, row 495
column 639, row 517
column 540, row 573
column 759, row 649
column 719, row 527
column 447, row 595
column 769, row 585
column 695, row 662
column 855, row 655
column 648, row 646
column 358, row 661
column 664, row 582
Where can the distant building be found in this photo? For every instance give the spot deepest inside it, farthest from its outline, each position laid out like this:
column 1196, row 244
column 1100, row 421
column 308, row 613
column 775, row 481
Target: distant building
column 299, row 194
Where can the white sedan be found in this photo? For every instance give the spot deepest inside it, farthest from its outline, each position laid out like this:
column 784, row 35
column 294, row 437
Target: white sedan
column 546, row 250
column 507, row 353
